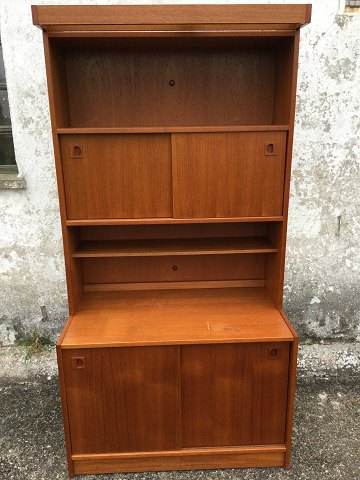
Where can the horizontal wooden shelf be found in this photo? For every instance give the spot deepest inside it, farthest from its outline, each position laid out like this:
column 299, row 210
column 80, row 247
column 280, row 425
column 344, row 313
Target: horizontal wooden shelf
column 185, row 129
column 118, row 287
column 165, row 317
column 166, row 221
column 177, row 247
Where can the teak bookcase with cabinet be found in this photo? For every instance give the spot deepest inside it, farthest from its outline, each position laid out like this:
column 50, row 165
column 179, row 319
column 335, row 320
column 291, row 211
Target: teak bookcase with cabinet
column 173, row 129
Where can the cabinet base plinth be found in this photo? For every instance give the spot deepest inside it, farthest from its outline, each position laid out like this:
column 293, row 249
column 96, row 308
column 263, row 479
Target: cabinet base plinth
column 187, row 459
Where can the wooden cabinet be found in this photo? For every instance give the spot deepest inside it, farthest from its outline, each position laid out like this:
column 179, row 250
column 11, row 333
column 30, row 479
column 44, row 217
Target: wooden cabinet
column 171, row 397
column 173, row 129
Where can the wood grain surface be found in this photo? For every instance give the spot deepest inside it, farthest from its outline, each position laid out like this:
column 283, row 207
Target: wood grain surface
column 176, row 317
column 233, row 394
column 173, row 130
column 174, row 247
column 171, row 221
column 46, row 15
column 189, row 459
column 183, row 129
column 139, row 82
column 200, row 284
column 173, row 268
column 124, row 399
column 172, row 232
column 228, row 174
column 87, row 33
column 117, row 176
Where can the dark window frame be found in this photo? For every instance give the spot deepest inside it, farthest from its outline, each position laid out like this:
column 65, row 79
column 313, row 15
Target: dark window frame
column 6, row 130
column 352, row 3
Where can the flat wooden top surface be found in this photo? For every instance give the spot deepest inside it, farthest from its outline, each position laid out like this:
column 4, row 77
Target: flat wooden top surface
column 75, row 15
column 164, row 317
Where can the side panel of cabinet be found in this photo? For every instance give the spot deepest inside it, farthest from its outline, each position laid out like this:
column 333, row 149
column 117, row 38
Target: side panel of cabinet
column 123, row 399
column 117, row 176
column 234, row 394
column 228, row 174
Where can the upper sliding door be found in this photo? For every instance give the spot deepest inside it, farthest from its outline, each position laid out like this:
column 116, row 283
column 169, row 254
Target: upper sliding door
column 228, row 174
column 117, row 176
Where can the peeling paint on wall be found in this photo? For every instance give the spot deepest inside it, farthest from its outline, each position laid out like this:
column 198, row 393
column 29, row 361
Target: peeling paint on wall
column 323, row 257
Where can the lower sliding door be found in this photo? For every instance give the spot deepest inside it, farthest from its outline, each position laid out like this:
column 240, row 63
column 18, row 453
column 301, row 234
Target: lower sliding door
column 123, row 399
column 158, row 398
column 234, row 394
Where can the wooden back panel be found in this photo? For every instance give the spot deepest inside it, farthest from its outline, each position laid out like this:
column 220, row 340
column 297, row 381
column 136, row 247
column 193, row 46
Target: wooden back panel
column 204, row 230
column 160, row 87
column 173, row 269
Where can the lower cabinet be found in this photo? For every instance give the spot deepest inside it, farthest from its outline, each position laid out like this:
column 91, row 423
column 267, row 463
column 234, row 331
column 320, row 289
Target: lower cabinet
column 156, row 398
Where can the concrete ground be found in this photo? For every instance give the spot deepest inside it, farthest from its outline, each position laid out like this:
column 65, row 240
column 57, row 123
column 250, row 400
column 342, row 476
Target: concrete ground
column 326, row 432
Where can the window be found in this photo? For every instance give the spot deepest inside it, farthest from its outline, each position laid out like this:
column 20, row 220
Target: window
column 7, row 154
column 352, row 3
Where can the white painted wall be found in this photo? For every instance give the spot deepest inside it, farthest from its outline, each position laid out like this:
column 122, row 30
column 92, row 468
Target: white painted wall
column 323, row 268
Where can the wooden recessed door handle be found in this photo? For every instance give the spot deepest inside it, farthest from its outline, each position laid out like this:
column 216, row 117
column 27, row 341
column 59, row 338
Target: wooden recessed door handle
column 271, row 148
column 76, row 150
column 274, row 353
column 78, row 363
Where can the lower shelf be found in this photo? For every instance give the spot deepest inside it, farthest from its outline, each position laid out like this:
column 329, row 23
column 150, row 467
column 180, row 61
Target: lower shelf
column 191, row 459
column 165, row 317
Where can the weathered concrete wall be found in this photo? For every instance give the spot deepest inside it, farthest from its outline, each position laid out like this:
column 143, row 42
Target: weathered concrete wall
column 323, row 255
column 323, row 260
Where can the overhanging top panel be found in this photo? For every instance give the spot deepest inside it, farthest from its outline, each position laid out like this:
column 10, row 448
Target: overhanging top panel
column 118, row 17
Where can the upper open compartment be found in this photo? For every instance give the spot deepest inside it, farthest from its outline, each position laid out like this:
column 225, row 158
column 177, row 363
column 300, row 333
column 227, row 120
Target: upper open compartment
column 115, row 82
column 171, row 66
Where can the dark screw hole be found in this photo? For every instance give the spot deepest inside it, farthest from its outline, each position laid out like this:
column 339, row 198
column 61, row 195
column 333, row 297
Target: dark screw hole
column 174, row 268
column 172, row 83
column 273, row 353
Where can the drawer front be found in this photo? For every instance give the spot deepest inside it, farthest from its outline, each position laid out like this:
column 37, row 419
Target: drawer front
column 123, row 399
column 117, row 176
column 228, row 174
column 234, row 394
